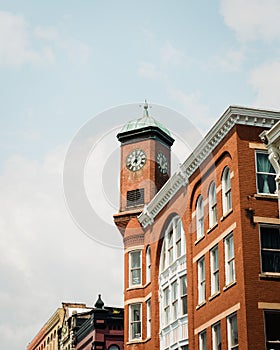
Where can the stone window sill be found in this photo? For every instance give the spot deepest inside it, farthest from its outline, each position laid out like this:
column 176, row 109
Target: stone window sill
column 265, row 196
column 229, row 286
column 212, row 228
column 199, row 239
column 200, row 305
column 226, row 214
column 214, row 296
column 270, row 275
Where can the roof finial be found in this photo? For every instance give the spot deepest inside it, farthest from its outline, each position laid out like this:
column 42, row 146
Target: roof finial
column 146, row 106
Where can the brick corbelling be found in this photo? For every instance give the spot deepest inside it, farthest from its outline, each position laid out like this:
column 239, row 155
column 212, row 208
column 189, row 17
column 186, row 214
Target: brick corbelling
column 133, row 240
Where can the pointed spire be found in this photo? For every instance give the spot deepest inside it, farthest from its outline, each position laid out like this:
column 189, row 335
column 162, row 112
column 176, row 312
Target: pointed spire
column 99, row 303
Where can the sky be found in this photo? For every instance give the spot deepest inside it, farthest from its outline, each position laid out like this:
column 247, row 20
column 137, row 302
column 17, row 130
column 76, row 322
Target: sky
column 78, row 70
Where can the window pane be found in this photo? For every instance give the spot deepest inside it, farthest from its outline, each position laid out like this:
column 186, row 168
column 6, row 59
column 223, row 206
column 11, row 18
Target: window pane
column 270, row 249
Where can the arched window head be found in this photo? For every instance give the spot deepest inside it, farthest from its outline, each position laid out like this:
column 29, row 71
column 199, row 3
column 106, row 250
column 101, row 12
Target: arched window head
column 212, row 205
column 199, row 218
column 148, row 264
column 226, row 191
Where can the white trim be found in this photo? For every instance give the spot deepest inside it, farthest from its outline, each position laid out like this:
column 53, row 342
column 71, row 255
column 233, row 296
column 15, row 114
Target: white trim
column 232, row 116
column 216, row 241
column 268, row 306
column 217, row 318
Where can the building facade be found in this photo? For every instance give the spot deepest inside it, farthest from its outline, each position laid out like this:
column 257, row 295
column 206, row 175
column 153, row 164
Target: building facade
column 201, row 247
column 75, row 326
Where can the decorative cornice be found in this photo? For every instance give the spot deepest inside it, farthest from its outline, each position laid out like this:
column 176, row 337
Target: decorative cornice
column 232, row 116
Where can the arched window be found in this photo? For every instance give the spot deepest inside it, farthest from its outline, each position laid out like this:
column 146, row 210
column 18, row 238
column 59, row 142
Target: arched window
column 148, row 264
column 226, row 191
column 199, row 218
column 173, row 284
column 212, row 205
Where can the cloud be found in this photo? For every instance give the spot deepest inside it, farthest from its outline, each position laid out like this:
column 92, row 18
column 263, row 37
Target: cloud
column 149, row 70
column 16, row 48
column 171, row 55
column 22, row 44
column 231, row 61
column 265, row 80
column 44, row 258
column 252, row 19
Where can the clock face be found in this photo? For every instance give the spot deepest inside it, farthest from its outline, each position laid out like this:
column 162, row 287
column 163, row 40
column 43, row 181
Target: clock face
column 136, row 160
column 162, row 163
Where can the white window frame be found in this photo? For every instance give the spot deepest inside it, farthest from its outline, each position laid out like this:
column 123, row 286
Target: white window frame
column 184, row 294
column 199, row 218
column 166, row 306
column 202, row 342
column 265, row 250
column 132, row 268
column 212, row 194
column 214, row 270
column 174, row 300
column 216, row 336
column 230, row 329
column 271, row 172
column 226, row 191
column 133, row 322
column 148, row 264
column 201, row 283
column 229, row 260
column 148, row 318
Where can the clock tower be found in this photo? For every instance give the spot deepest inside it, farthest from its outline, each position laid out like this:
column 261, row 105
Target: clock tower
column 145, row 164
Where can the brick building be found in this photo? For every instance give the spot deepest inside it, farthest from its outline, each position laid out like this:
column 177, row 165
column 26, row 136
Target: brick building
column 75, row 326
column 201, row 247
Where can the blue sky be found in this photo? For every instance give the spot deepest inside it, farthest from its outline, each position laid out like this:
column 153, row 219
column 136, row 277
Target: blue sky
column 64, row 62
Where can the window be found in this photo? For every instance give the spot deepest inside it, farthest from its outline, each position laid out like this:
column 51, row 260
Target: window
column 199, row 218
column 178, row 238
column 265, row 174
column 172, row 285
column 201, row 280
column 232, row 332
column 216, row 336
column 135, row 197
column 148, row 265
column 184, row 299
column 135, row 267
column 135, row 321
column 214, row 267
column 272, row 321
column 212, row 205
column 202, row 341
column 174, row 295
column 170, row 247
column 166, row 306
column 226, row 191
column 270, row 248
column 229, row 259
column 149, row 320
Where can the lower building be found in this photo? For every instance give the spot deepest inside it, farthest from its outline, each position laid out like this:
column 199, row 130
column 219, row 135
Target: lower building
column 77, row 326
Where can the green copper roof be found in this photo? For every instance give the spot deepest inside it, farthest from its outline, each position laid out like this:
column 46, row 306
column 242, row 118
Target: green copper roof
column 144, row 122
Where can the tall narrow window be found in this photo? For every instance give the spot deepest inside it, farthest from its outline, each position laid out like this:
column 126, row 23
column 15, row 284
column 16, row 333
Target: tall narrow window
column 270, row 248
column 226, row 190
column 265, row 174
column 149, row 319
column 232, row 332
column 212, row 205
column 272, row 334
column 216, row 336
column 148, row 264
column 202, row 340
column 178, row 238
column 184, row 299
column 229, row 259
column 201, row 280
column 214, row 267
column 170, row 247
column 199, row 218
column 166, row 306
column 174, row 291
column 135, row 321
column 135, row 267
